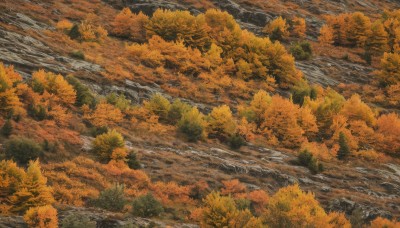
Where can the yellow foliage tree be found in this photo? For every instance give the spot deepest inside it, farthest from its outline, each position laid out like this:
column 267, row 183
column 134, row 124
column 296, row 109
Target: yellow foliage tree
column 383, row 223
column 355, row 109
column 33, row 190
column 388, row 131
column 326, row 35
column 104, row 115
column 377, row 42
column 224, row 30
column 180, row 25
column 298, row 27
column 9, row 101
column 221, row 122
column 55, row 85
column 277, row 29
column 281, row 119
column 338, row 220
column 291, row 207
column 11, row 177
column 129, row 25
column 42, row 217
column 389, row 73
column 358, row 29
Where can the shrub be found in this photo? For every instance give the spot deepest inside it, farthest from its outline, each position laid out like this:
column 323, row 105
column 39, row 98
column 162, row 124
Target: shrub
column 221, row 123
column 77, row 55
column 77, row 221
column 344, row 149
column 236, row 141
column 83, row 94
column 242, row 204
column 277, row 29
column 146, row 206
column 7, row 128
column 104, row 144
column 64, row 25
column 192, row 125
column 301, row 50
column 177, row 109
column 22, row 150
column 307, row 159
column 118, row 101
column 132, row 160
column 41, row 217
column 158, row 105
column 112, row 199
column 74, row 32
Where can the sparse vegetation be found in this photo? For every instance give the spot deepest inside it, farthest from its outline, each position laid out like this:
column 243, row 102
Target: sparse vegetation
column 146, row 206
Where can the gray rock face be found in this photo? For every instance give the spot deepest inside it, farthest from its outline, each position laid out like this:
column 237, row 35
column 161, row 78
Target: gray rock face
column 28, row 54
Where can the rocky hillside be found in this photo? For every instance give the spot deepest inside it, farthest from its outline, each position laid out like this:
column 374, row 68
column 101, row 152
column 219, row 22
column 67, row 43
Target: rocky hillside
column 29, row 41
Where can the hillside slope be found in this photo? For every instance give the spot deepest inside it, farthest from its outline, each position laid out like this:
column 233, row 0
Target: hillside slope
column 30, row 41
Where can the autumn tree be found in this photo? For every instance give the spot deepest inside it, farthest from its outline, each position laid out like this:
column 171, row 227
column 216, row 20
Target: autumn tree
column 344, row 150
column 338, row 220
column 281, row 121
column 258, row 105
column 298, row 27
column 64, row 25
column 106, row 143
column 389, row 73
column 33, row 191
column 380, row 222
column 83, row 95
column 11, row 177
column 277, row 29
column 291, row 207
column 41, row 217
column 22, row 150
column 129, row 25
column 10, row 103
column 355, row 109
column 192, row 124
column 388, row 130
column 104, row 115
column 221, row 211
column 221, row 123
column 224, row 31
column 158, row 105
column 180, row 25
column 358, row 29
column 259, row 200
column 89, row 31
column 377, row 42
column 326, row 35
column 233, row 188
column 308, row 122
column 55, row 85
column 177, row 109
column 324, row 108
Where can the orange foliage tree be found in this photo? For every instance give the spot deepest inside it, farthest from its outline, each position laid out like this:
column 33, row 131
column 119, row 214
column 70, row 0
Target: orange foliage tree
column 129, row 25
column 298, row 27
column 281, row 121
column 9, row 101
column 104, row 114
column 277, row 29
column 300, row 209
column 41, row 217
column 33, row 190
